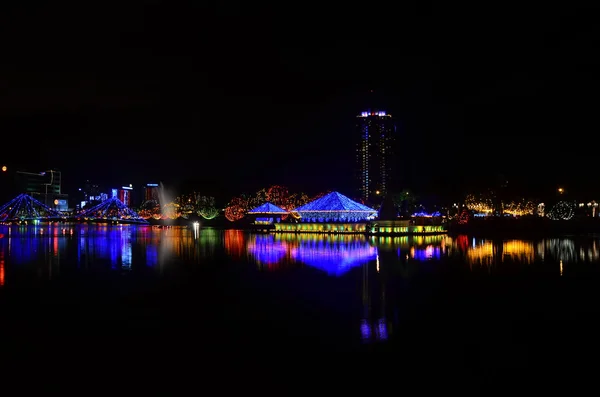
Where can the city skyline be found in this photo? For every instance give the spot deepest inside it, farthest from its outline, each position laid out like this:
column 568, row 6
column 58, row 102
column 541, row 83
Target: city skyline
column 271, row 103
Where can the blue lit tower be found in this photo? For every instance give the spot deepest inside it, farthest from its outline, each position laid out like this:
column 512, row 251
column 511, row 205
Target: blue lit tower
column 375, row 154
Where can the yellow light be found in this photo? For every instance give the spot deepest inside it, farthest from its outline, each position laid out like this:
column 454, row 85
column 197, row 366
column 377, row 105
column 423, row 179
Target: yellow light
column 56, row 202
column 561, row 190
column 377, row 192
column 4, row 168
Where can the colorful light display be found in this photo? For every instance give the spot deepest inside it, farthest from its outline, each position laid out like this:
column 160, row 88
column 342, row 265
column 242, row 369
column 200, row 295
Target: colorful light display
column 207, row 208
column 171, row 211
column 563, row 210
column 24, row 207
column 521, row 208
column 482, row 203
column 236, row 209
column 335, row 257
column 334, row 207
column 208, row 212
column 112, row 209
column 267, row 252
column 464, row 217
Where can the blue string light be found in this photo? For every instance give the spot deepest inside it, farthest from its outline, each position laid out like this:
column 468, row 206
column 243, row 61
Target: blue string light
column 112, row 209
column 334, row 207
column 24, row 208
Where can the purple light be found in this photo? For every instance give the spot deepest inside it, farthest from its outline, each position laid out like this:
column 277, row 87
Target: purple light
column 382, row 333
column 333, row 257
column 365, row 331
column 429, row 252
column 266, row 250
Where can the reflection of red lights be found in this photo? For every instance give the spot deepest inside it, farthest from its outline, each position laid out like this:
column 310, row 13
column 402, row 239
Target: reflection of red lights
column 1, row 268
column 234, row 243
column 463, row 242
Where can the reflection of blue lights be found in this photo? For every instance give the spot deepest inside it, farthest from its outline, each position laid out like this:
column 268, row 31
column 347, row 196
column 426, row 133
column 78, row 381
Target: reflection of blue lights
column 266, row 250
column 374, row 333
column 365, row 330
column 334, row 258
column 26, row 249
column 151, row 255
column 126, row 254
column 112, row 244
column 429, row 252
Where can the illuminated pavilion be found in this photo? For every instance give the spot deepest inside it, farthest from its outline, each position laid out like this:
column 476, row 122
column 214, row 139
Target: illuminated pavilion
column 267, row 213
column 334, row 207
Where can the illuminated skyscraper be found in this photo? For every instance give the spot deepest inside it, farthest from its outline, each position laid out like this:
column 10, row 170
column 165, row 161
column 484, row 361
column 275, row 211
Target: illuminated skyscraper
column 150, row 193
column 375, row 154
column 124, row 194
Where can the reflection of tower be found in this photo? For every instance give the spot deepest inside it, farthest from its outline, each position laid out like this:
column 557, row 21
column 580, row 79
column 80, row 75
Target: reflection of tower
column 366, row 299
column 373, row 328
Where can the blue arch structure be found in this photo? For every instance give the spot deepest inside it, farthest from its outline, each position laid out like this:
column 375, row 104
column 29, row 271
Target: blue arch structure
column 112, row 209
column 26, row 208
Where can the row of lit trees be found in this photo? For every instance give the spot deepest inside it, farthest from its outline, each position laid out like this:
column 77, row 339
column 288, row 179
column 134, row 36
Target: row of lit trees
column 187, row 205
column 239, row 206
column 182, row 207
column 487, row 203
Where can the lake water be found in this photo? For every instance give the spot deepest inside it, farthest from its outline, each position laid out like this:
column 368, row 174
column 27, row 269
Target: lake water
column 462, row 299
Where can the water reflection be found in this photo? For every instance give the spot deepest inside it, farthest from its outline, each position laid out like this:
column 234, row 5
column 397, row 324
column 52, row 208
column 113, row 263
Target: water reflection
column 268, row 252
column 493, row 252
column 332, row 254
column 234, row 243
column 355, row 272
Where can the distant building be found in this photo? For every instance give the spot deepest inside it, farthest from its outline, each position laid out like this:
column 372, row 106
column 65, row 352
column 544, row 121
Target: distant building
column 44, row 186
column 150, row 194
column 124, row 194
column 375, row 154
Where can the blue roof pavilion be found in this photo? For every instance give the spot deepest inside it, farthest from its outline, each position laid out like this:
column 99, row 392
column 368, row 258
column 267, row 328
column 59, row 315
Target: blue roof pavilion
column 335, row 207
column 268, row 213
column 268, row 208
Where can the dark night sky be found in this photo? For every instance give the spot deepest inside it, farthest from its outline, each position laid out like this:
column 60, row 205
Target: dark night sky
column 242, row 97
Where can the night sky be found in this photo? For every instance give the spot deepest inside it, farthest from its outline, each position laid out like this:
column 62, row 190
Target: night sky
column 235, row 97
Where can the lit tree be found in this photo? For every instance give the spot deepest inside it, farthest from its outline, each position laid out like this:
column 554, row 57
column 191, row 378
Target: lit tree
column 405, row 201
column 277, row 195
column 519, row 208
column 563, row 210
column 236, row 209
column 480, row 203
column 207, row 208
column 171, row 211
column 259, row 198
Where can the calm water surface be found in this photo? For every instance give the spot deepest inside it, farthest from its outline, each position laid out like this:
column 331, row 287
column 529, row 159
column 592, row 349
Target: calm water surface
column 478, row 299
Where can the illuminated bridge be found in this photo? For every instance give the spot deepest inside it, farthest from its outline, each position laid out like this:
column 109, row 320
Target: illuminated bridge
column 25, row 208
column 111, row 210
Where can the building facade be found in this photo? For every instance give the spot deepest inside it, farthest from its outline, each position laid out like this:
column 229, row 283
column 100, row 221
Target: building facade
column 45, row 186
column 375, row 154
column 125, row 195
column 150, row 194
